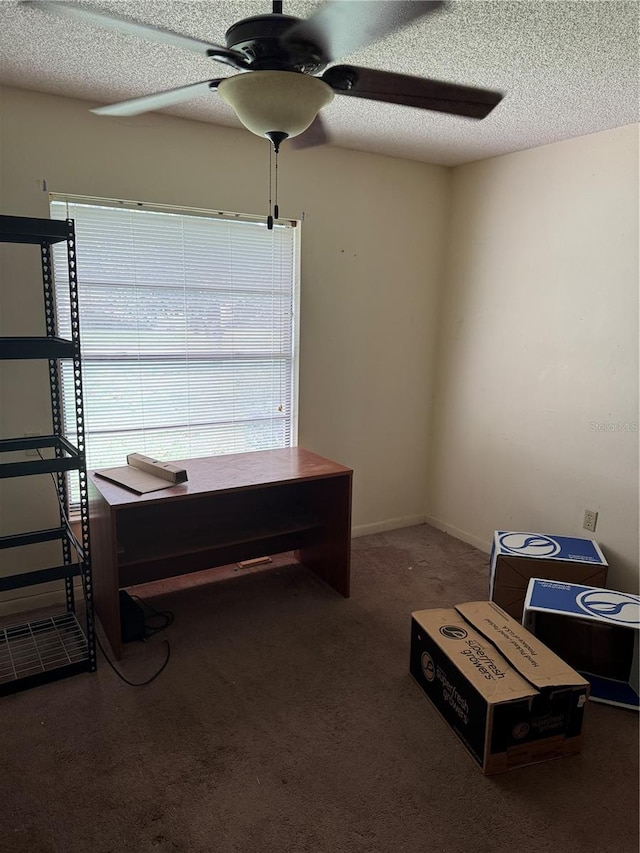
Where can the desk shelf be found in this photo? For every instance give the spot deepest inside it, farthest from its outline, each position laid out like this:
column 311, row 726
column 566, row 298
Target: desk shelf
column 238, row 527
column 144, row 551
column 166, row 564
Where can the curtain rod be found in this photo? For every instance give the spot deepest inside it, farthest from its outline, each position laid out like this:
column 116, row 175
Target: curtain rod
column 130, row 204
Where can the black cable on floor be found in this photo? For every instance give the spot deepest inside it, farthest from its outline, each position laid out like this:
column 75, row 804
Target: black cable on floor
column 126, row 680
column 168, row 617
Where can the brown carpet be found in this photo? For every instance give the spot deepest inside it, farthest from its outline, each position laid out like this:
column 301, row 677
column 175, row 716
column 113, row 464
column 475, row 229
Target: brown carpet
column 286, row 720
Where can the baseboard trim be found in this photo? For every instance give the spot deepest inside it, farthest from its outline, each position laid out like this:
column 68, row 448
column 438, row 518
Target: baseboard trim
column 389, row 524
column 465, row 536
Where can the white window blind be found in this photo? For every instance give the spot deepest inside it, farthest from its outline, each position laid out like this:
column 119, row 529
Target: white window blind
column 187, row 330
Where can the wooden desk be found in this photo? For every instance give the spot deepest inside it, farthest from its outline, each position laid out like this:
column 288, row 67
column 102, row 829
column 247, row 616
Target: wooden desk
column 232, row 508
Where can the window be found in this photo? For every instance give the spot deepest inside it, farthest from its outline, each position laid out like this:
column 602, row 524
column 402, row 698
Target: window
column 187, row 329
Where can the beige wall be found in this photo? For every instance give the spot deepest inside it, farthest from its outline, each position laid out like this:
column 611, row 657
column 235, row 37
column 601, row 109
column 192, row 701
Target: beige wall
column 537, row 316
column 372, row 243
column 537, row 392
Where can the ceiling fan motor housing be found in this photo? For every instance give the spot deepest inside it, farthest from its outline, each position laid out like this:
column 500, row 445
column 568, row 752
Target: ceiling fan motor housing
column 261, row 40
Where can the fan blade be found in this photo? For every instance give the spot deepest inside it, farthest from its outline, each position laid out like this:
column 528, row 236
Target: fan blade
column 340, row 27
column 158, row 101
column 316, row 134
column 132, row 28
column 411, row 91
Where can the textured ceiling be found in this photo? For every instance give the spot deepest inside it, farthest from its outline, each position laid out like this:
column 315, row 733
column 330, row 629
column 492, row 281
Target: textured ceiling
column 566, row 68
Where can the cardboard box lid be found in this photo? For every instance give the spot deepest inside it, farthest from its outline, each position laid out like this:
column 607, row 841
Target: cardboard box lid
column 479, row 661
column 531, row 658
column 541, row 546
column 585, row 602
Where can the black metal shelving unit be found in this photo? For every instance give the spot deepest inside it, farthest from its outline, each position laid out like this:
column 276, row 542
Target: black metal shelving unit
column 46, row 649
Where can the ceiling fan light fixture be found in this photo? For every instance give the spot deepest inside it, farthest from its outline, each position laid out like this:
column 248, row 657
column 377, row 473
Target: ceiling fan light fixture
column 281, row 102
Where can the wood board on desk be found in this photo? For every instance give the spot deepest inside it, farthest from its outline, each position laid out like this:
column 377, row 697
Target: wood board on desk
column 143, row 474
column 134, row 479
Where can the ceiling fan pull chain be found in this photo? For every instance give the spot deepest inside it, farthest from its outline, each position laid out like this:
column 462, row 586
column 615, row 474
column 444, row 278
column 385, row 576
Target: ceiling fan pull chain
column 275, row 208
column 270, row 217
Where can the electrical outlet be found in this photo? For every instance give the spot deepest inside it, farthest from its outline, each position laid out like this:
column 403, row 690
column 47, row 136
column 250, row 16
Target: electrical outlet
column 590, row 520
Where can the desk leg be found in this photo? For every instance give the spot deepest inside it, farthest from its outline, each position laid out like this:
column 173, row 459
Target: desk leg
column 328, row 555
column 104, row 560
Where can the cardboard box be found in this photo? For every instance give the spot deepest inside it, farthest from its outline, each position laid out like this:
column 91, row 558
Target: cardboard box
column 597, row 631
column 510, row 700
column 518, row 557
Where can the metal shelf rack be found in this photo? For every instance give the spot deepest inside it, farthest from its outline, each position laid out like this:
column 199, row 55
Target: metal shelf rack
column 53, row 647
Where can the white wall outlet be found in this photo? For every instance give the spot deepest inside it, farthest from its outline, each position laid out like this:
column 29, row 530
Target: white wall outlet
column 590, row 520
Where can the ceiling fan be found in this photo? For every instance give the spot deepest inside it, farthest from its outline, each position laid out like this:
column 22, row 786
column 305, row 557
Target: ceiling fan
column 286, row 57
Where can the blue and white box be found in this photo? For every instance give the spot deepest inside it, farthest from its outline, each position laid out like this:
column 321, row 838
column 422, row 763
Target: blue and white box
column 517, row 556
column 596, row 631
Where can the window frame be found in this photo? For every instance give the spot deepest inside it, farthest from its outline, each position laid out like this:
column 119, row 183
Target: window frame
column 295, row 226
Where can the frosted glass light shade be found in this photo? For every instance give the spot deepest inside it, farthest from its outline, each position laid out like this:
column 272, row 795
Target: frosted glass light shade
column 275, row 101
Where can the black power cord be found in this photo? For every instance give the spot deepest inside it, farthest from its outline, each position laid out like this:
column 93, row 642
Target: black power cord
column 136, row 683
column 149, row 630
